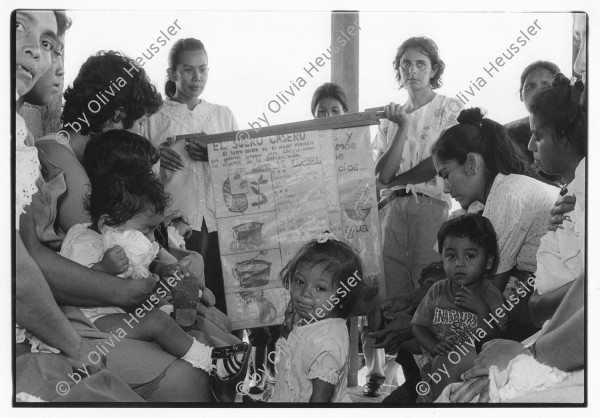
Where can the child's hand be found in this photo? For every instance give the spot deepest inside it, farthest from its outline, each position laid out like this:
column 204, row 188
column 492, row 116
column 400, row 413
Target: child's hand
column 290, row 317
column 467, row 299
column 114, row 261
column 443, row 347
column 184, row 229
column 208, row 297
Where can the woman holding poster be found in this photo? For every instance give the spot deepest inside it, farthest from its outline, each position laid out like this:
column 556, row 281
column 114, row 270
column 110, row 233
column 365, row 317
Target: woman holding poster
column 184, row 164
column 413, row 204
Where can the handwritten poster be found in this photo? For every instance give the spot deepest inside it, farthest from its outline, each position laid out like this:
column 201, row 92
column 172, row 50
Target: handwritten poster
column 275, row 193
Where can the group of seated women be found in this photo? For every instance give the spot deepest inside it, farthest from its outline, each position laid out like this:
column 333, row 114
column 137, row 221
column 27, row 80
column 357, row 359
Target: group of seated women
column 82, row 190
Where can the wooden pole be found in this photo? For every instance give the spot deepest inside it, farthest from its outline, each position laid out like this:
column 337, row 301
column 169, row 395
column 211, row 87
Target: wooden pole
column 345, row 33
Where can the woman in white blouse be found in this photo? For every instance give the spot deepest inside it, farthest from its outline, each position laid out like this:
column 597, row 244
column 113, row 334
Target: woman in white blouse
column 478, row 162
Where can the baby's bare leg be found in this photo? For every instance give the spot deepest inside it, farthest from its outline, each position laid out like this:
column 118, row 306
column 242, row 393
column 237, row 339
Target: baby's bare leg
column 155, row 325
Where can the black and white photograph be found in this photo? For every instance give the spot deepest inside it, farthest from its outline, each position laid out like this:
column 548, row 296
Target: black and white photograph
column 254, row 205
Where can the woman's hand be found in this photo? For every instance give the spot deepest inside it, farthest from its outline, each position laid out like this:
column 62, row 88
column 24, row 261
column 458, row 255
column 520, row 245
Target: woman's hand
column 395, row 333
column 167, row 219
column 564, row 204
column 395, row 305
column 494, row 353
column 80, row 360
column 208, row 297
column 395, row 113
column 196, row 151
column 170, row 159
column 137, row 292
column 466, row 392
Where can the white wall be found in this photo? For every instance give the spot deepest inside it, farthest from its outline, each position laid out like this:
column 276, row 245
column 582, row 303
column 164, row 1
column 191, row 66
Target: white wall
column 467, row 42
column 253, row 56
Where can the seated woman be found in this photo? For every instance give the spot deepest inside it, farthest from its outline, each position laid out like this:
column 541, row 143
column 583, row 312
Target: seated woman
column 561, row 343
column 154, row 374
column 42, row 322
column 535, row 77
column 558, row 121
column 479, row 163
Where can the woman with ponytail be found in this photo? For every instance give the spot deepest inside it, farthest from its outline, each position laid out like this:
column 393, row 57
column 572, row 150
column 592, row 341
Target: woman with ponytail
column 478, row 162
column 184, row 166
column 558, row 121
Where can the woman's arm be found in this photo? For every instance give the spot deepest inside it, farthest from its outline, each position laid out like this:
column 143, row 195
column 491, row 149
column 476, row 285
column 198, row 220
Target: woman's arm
column 542, row 307
column 74, row 284
column 560, row 345
column 70, row 205
column 38, row 313
column 36, row 308
column 422, row 172
column 387, row 164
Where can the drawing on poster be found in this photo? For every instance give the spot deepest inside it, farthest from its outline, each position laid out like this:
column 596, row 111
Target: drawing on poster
column 274, row 195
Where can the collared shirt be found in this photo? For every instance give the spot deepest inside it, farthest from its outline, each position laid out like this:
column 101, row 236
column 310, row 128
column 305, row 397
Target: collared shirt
column 519, row 209
column 425, row 125
column 190, row 188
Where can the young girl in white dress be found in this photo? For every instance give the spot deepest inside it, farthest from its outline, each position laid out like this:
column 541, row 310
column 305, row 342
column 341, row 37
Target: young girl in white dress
column 324, row 279
column 184, row 166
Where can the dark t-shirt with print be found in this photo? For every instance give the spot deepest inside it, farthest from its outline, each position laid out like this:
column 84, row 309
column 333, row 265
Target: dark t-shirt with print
column 438, row 312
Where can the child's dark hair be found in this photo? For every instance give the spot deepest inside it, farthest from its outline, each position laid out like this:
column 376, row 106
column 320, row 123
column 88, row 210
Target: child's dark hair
column 129, row 189
column 477, row 228
column 182, row 45
column 562, row 109
column 426, row 47
column 328, row 90
column 109, row 71
column 336, row 258
column 105, row 151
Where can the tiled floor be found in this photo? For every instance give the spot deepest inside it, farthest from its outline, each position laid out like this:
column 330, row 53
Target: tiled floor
column 393, row 378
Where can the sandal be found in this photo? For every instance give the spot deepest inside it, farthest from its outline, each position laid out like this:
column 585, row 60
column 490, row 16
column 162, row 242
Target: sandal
column 233, row 366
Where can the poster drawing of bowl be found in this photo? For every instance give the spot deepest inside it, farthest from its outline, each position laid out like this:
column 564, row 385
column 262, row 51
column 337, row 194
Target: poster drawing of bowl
column 235, row 202
column 252, row 273
column 256, row 303
column 248, row 233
